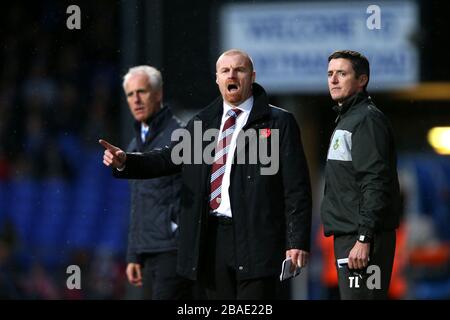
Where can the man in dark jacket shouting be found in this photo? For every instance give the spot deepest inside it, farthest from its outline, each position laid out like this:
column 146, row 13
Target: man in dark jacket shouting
column 241, row 214
column 361, row 199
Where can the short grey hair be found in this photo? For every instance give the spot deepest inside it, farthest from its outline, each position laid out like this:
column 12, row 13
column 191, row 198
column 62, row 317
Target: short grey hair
column 153, row 75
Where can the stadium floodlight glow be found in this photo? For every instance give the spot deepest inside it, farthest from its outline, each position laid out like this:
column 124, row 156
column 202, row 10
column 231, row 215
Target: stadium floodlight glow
column 439, row 139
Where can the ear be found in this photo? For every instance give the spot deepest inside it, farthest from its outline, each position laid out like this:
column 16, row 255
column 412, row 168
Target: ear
column 217, row 80
column 253, row 76
column 363, row 79
column 160, row 95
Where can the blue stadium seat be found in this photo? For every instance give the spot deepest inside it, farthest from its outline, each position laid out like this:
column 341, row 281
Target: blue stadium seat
column 55, row 210
column 434, row 191
column 4, row 203
column 113, row 233
column 432, row 290
column 87, row 206
column 24, row 206
column 425, row 185
column 442, row 210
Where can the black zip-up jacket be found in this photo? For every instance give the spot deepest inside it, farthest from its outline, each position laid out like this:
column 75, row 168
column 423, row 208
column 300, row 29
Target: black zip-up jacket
column 155, row 203
column 361, row 185
column 271, row 213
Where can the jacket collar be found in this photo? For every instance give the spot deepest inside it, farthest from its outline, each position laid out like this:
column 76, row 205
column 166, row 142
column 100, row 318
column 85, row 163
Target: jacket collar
column 351, row 102
column 261, row 107
column 213, row 111
column 155, row 122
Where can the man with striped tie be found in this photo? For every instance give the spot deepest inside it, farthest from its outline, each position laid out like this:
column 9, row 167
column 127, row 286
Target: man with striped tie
column 237, row 223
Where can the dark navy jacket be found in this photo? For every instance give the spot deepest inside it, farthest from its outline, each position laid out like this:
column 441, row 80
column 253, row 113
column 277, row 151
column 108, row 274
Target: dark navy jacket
column 155, row 203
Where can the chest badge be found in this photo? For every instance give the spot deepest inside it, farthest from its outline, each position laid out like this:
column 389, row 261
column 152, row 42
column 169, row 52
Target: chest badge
column 264, row 133
column 336, row 144
column 340, row 146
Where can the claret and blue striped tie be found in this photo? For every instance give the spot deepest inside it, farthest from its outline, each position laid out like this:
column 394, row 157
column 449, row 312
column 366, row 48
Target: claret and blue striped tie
column 220, row 158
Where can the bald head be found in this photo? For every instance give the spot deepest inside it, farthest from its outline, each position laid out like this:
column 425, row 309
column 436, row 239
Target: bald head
column 236, row 52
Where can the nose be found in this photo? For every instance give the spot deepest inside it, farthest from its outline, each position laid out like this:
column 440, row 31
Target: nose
column 334, row 78
column 137, row 97
column 232, row 73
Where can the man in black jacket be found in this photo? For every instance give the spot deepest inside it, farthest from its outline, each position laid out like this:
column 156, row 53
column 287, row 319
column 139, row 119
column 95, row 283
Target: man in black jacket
column 155, row 203
column 361, row 199
column 239, row 219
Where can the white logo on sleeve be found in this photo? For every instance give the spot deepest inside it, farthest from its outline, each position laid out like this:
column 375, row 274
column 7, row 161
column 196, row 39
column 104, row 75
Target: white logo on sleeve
column 340, row 146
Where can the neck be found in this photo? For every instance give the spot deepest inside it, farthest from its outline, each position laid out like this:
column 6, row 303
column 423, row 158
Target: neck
column 234, row 105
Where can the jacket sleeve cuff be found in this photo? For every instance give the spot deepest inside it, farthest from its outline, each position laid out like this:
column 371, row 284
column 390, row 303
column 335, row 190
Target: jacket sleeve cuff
column 133, row 258
column 368, row 232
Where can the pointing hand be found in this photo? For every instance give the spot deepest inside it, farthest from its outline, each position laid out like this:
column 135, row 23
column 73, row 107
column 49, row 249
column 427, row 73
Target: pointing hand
column 113, row 156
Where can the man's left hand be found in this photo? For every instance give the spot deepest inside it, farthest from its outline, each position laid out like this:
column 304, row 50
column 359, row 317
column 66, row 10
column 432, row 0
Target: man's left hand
column 298, row 257
column 359, row 256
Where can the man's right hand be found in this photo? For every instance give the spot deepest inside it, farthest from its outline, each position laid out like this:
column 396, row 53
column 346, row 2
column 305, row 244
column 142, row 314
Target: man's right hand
column 134, row 274
column 113, row 156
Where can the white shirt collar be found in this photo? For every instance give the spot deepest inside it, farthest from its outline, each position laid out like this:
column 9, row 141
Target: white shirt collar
column 245, row 106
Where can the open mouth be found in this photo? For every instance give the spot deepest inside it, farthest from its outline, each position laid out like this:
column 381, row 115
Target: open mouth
column 232, row 87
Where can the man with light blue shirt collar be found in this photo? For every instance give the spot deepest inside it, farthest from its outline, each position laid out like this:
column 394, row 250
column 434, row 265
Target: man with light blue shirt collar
column 155, row 204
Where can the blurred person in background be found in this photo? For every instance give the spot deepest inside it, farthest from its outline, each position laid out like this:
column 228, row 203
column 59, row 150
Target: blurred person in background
column 155, row 204
column 361, row 204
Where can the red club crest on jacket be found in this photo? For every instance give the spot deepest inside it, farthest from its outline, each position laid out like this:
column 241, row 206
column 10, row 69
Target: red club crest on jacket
column 264, row 133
